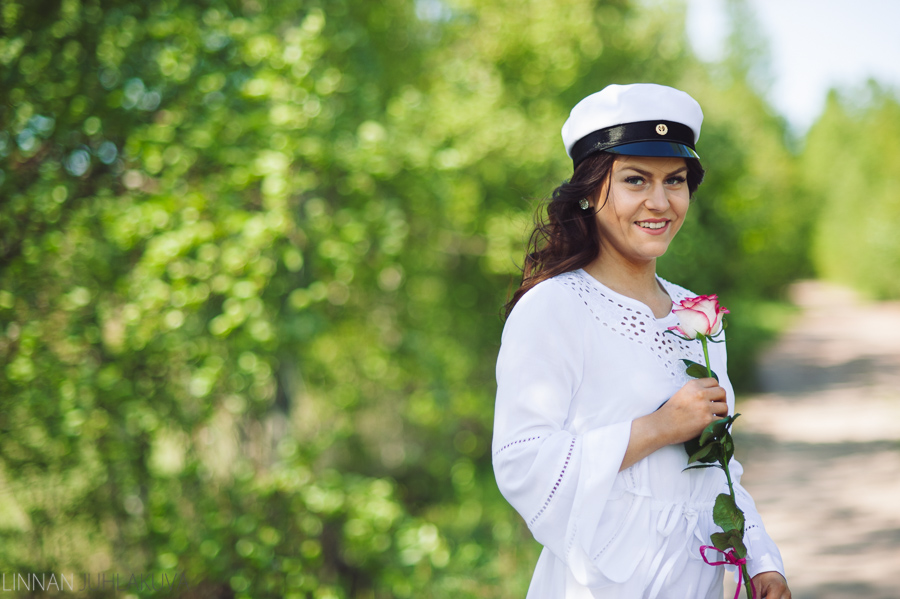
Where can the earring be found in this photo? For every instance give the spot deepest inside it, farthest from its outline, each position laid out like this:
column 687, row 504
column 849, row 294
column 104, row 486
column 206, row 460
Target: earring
column 584, row 204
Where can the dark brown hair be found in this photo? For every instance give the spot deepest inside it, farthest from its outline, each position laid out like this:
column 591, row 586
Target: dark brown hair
column 567, row 237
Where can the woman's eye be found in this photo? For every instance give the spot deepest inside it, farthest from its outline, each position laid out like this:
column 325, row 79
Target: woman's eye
column 675, row 180
column 634, row 180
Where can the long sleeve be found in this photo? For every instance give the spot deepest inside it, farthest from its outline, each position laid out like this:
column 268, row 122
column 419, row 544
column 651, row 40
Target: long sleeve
column 558, row 481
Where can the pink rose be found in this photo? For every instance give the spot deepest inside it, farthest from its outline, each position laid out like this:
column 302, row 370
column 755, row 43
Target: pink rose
column 699, row 316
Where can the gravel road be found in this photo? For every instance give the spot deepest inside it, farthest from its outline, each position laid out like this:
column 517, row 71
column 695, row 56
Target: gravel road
column 821, row 445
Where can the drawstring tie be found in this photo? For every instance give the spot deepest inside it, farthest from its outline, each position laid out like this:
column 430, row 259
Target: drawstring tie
column 665, row 526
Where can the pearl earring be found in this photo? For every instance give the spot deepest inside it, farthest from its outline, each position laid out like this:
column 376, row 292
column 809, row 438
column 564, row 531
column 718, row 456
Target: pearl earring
column 584, row 204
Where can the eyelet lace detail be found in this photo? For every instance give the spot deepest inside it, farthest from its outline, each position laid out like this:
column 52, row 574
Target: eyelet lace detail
column 516, row 442
column 634, row 324
column 556, row 485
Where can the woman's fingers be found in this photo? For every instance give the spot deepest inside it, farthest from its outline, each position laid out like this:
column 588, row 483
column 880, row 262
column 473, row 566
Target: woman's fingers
column 693, row 407
column 720, row 407
column 711, row 392
column 708, row 382
column 771, row 585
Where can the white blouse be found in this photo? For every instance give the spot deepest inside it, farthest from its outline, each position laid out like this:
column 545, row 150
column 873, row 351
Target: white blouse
column 578, row 362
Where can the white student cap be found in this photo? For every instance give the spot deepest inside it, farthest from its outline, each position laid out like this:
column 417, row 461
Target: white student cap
column 641, row 119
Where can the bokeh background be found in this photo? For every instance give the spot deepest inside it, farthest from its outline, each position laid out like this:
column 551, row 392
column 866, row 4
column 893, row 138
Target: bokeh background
column 254, row 254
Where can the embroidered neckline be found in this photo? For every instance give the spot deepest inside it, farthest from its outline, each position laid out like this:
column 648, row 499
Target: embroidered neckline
column 634, row 321
column 639, row 306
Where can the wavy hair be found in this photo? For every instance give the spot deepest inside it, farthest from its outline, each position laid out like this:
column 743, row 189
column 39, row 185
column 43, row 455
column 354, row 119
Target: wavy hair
column 567, row 238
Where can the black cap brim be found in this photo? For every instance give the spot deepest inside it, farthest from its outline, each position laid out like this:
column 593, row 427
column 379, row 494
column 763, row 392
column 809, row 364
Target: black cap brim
column 644, row 138
column 665, row 149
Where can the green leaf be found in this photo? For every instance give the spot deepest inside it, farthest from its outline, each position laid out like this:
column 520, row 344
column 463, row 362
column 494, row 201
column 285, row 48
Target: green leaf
column 712, row 432
column 698, row 466
column 692, row 447
column 703, row 452
column 715, row 430
column 727, row 514
column 724, row 540
column 740, row 549
column 729, row 540
column 697, row 371
column 728, row 446
column 708, row 433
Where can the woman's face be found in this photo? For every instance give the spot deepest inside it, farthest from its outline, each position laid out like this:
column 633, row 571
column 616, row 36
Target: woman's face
column 647, row 202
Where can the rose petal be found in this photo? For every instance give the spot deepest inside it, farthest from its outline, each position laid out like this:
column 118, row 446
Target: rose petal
column 708, row 307
column 720, row 315
column 717, row 324
column 689, row 302
column 693, row 322
column 701, row 315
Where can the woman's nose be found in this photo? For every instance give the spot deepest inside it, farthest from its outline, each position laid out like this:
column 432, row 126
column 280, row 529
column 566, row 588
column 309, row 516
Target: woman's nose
column 657, row 198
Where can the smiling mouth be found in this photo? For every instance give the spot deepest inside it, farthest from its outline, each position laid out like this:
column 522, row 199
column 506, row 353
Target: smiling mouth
column 650, row 225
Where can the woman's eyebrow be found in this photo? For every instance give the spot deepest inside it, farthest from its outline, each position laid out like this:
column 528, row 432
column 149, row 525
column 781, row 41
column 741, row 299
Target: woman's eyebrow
column 649, row 174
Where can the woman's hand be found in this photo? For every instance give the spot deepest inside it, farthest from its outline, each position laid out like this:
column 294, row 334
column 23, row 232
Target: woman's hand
column 683, row 417
column 698, row 403
column 771, row 585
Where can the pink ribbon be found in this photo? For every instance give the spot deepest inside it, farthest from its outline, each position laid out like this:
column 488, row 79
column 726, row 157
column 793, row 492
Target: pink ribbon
column 730, row 558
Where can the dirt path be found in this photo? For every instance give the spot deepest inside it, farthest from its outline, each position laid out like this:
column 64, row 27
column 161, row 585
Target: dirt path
column 821, row 446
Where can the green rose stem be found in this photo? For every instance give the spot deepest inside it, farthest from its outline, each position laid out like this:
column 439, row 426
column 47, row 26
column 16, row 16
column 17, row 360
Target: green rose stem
column 703, row 342
column 723, row 462
column 748, row 584
column 702, row 319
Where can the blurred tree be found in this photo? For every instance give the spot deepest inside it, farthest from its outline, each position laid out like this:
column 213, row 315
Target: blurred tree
column 849, row 166
column 749, row 234
column 253, row 256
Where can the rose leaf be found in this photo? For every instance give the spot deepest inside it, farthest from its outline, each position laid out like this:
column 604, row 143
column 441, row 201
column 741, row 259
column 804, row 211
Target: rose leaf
column 727, row 514
column 693, row 446
column 701, row 453
column 698, row 466
column 714, row 430
column 724, row 541
column 728, row 446
column 697, row 371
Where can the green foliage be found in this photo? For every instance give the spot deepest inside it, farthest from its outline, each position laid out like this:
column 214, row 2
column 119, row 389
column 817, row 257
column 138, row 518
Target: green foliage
column 251, row 265
column 850, row 162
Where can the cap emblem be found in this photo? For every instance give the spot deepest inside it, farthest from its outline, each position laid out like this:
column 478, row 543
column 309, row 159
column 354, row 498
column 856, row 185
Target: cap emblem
column 662, row 129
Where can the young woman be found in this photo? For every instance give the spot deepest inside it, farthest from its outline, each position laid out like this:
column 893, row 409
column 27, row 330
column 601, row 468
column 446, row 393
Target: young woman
column 592, row 403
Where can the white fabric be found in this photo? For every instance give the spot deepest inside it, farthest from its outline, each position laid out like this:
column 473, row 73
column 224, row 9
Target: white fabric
column 578, row 362
column 621, row 104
